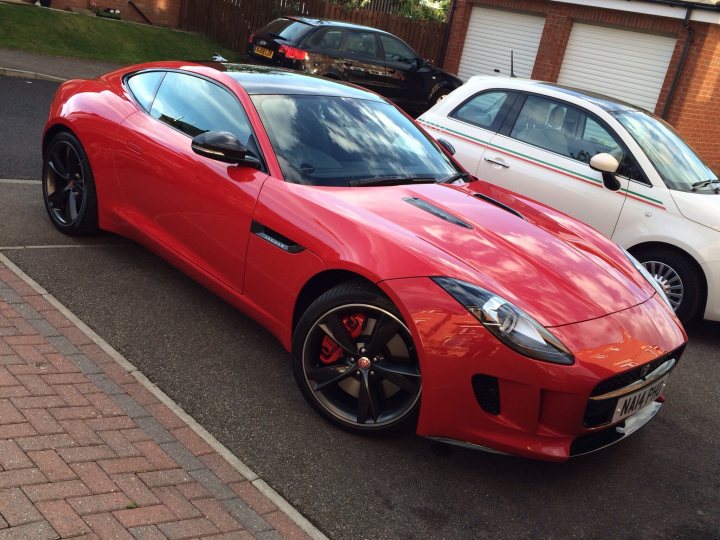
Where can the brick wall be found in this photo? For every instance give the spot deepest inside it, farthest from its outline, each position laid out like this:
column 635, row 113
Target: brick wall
column 160, row 12
column 693, row 111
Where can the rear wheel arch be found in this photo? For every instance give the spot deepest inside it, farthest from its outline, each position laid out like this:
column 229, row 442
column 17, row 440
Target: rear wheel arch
column 639, row 250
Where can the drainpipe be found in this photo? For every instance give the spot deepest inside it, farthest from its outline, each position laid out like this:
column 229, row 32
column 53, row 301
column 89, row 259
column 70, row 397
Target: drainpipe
column 446, row 37
column 681, row 65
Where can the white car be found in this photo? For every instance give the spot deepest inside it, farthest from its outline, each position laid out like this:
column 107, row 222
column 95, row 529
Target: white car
column 614, row 166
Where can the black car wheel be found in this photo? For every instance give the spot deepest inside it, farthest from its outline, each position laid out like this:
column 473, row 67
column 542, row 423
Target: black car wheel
column 355, row 361
column 678, row 277
column 68, row 186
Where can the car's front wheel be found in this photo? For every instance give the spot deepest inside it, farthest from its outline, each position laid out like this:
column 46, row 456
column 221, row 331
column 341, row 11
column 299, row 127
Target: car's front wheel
column 355, row 361
column 68, row 186
column 678, row 277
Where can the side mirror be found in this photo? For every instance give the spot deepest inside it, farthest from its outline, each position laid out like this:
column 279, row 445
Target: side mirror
column 447, row 146
column 608, row 166
column 417, row 63
column 223, row 146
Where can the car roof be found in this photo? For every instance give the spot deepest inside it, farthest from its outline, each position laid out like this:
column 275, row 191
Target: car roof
column 602, row 101
column 340, row 24
column 271, row 80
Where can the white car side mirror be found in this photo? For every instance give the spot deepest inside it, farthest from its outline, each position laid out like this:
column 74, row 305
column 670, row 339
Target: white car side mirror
column 608, row 166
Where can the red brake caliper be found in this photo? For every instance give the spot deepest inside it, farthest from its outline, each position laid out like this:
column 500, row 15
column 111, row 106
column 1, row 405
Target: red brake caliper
column 331, row 351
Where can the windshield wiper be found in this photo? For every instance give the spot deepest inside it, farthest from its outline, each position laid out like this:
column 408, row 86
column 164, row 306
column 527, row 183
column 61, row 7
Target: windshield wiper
column 457, row 176
column 705, row 183
column 390, row 181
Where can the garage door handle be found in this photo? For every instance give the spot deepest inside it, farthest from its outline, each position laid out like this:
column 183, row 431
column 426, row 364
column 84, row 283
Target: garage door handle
column 498, row 161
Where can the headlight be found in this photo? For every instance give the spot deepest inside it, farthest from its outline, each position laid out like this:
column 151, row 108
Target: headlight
column 647, row 276
column 508, row 323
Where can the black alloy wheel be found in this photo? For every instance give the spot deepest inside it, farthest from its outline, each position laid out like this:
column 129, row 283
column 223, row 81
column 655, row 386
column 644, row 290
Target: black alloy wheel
column 68, row 186
column 355, row 361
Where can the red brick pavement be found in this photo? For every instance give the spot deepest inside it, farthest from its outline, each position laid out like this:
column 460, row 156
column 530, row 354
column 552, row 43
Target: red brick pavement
column 87, row 450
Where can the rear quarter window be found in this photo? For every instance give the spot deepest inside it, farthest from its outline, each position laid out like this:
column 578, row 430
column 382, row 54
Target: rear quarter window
column 144, row 86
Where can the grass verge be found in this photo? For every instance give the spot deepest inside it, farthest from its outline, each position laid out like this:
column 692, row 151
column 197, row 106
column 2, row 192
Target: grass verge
column 60, row 33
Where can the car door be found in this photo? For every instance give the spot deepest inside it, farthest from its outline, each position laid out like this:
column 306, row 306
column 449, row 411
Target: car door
column 543, row 151
column 199, row 207
column 471, row 126
column 402, row 81
column 361, row 60
column 324, row 48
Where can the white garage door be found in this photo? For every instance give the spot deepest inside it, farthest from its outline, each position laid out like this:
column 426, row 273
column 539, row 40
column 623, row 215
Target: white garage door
column 626, row 65
column 492, row 34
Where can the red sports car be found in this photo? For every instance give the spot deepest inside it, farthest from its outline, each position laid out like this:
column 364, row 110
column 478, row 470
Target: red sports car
column 409, row 293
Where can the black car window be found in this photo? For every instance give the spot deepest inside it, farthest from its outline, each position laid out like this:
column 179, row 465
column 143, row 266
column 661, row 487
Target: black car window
column 194, row 105
column 363, row 43
column 287, row 29
column 483, row 110
column 143, row 87
column 329, row 38
column 396, row 51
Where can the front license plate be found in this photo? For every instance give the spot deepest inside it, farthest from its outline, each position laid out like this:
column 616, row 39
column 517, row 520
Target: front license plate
column 262, row 51
column 632, row 403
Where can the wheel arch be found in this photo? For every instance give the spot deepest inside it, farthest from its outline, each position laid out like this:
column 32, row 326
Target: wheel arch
column 670, row 247
column 321, row 283
column 54, row 130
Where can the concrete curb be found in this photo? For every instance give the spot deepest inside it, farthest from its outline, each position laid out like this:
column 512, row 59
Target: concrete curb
column 20, row 73
column 216, row 445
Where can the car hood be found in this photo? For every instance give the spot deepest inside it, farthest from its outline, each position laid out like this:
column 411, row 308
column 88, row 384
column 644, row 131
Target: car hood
column 556, row 269
column 700, row 207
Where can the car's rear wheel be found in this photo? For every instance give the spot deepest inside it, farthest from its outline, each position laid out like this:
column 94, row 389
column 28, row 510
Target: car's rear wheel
column 68, row 186
column 678, row 277
column 355, row 361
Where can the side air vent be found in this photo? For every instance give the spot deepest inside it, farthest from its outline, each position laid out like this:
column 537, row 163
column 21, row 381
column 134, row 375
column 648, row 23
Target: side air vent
column 487, row 393
column 499, row 205
column 275, row 238
column 437, row 212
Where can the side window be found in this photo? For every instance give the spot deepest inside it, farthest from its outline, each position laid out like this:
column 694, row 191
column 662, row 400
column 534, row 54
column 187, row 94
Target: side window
column 396, row 50
column 483, row 110
column 563, row 129
column 194, row 105
column 144, row 86
column 363, row 43
column 326, row 39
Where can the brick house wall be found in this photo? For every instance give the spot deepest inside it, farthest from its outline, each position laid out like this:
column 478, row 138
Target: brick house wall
column 695, row 107
column 160, row 12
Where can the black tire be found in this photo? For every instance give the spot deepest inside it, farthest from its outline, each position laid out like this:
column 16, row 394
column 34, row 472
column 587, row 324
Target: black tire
column 677, row 274
column 375, row 390
column 69, row 186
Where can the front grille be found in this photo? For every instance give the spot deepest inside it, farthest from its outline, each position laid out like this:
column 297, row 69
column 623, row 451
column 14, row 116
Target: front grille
column 628, row 377
column 600, row 412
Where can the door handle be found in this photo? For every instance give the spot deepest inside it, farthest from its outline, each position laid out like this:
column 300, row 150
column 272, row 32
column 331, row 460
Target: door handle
column 348, row 64
column 498, row 161
column 391, row 70
column 134, row 147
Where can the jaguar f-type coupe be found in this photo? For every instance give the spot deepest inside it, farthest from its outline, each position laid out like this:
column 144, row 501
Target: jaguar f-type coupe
column 409, row 293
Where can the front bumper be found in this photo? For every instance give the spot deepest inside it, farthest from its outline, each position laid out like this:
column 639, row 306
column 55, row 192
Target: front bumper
column 478, row 392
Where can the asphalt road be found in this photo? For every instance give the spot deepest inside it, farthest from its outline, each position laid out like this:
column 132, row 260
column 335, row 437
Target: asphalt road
column 235, row 379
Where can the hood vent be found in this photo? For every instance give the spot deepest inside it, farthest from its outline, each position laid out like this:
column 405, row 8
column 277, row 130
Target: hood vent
column 499, row 204
column 437, row 212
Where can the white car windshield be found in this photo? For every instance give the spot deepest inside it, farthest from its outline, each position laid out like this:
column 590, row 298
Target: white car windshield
column 676, row 163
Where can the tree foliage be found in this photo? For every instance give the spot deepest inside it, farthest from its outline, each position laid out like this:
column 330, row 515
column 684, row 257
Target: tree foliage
column 417, row 9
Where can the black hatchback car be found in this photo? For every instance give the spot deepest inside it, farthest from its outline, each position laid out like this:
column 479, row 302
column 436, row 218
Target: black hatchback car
column 361, row 55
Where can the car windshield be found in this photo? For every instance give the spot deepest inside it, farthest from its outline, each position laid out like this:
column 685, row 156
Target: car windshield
column 339, row 141
column 676, row 163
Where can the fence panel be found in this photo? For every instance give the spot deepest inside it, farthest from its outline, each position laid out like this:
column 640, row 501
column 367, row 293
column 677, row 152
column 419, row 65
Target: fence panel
column 231, row 22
